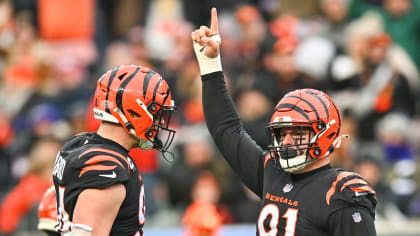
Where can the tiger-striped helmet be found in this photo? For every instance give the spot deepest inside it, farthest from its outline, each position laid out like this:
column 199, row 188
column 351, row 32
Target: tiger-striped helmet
column 139, row 100
column 306, row 111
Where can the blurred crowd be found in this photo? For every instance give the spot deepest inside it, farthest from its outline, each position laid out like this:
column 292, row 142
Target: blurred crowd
column 364, row 53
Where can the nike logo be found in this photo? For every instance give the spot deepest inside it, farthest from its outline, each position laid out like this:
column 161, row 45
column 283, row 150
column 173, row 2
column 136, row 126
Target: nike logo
column 358, row 194
column 112, row 176
column 204, row 47
column 131, row 163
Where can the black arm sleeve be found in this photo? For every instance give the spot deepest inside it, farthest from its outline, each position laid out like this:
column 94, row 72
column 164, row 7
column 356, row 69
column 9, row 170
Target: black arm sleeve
column 351, row 221
column 242, row 153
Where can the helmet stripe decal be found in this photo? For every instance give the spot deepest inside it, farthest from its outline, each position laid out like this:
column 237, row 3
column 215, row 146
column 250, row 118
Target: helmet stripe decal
column 147, row 78
column 339, row 115
column 122, row 87
column 295, row 108
column 156, row 88
column 310, row 104
column 322, row 102
column 111, row 78
column 166, row 96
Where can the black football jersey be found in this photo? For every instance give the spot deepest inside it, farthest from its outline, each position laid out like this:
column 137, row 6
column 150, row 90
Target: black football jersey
column 90, row 161
column 321, row 202
column 303, row 204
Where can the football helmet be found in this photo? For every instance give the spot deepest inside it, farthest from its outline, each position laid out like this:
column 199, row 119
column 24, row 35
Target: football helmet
column 139, row 100
column 314, row 120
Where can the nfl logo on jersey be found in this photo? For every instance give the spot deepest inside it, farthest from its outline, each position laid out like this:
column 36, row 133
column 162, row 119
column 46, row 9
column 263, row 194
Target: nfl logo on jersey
column 287, row 188
column 357, row 217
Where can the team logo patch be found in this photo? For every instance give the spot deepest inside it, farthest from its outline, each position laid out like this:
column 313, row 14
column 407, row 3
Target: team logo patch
column 357, row 218
column 287, row 188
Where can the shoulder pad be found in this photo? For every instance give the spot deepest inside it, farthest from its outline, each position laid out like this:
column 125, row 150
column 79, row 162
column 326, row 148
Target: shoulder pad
column 350, row 187
column 105, row 162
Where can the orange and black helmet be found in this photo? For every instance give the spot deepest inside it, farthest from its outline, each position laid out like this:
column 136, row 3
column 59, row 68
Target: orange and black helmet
column 139, row 100
column 308, row 109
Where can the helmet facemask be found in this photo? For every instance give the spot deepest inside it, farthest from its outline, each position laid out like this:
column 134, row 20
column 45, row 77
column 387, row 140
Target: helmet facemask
column 295, row 156
column 159, row 134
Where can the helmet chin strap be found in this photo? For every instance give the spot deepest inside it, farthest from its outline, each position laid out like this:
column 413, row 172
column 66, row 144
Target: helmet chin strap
column 296, row 163
column 145, row 144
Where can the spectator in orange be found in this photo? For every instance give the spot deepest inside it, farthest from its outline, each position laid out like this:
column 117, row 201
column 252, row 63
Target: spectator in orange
column 281, row 73
column 31, row 187
column 68, row 28
column 202, row 217
column 379, row 89
column 22, row 67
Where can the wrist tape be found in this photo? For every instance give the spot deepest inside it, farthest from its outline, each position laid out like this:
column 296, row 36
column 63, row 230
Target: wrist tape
column 207, row 64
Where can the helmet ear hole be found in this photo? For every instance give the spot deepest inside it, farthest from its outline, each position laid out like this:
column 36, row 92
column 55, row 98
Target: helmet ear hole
column 331, row 135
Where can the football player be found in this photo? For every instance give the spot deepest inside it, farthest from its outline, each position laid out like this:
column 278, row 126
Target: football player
column 98, row 186
column 301, row 193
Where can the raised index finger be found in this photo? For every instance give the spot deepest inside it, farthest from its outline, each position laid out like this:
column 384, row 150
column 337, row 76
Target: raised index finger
column 214, row 27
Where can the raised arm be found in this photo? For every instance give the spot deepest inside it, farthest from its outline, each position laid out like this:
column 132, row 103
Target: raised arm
column 222, row 119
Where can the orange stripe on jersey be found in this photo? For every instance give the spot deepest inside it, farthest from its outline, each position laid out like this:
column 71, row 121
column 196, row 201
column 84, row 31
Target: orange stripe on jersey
column 96, row 167
column 100, row 158
column 364, row 189
column 353, row 181
column 340, row 176
column 106, row 151
column 267, row 157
